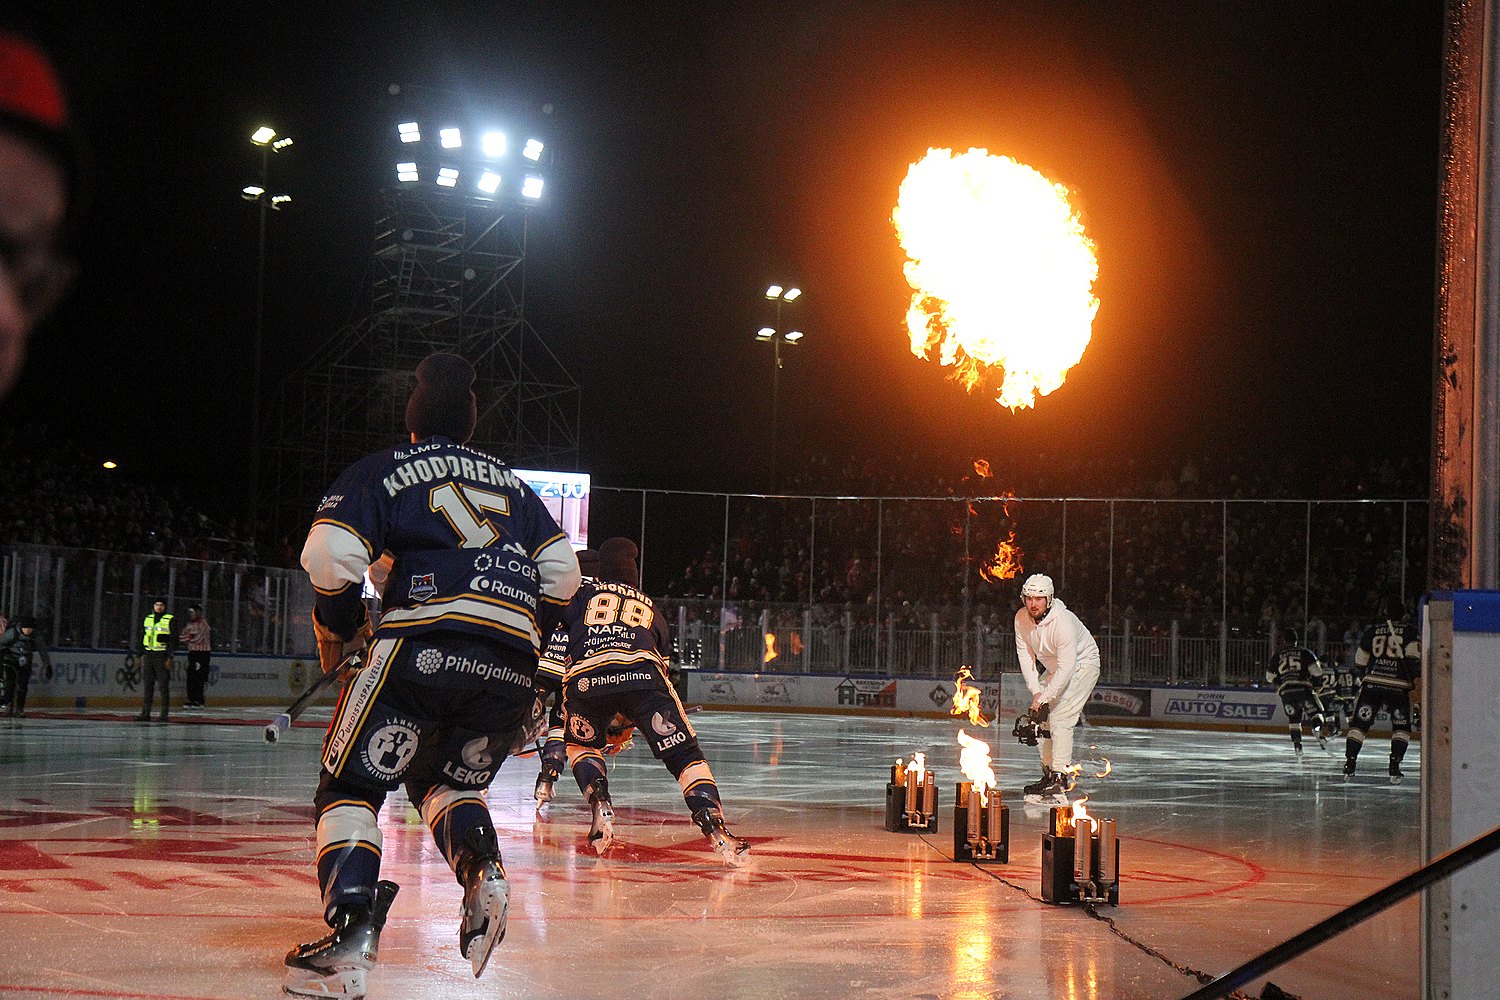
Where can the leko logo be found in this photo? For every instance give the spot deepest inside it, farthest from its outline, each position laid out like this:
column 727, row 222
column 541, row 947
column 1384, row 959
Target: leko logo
column 661, row 725
column 476, row 753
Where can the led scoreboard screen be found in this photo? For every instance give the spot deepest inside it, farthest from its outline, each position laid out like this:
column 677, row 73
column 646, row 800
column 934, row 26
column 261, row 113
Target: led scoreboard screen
column 566, row 495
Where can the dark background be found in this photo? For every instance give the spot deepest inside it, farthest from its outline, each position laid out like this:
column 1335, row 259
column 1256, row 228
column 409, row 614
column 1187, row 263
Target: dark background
column 1260, row 181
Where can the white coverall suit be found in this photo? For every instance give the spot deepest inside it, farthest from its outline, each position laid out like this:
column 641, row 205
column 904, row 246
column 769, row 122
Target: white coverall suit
column 1068, row 651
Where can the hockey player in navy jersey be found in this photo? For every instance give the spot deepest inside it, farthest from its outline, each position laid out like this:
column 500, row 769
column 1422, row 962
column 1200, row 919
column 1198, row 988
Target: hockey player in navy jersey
column 617, row 651
column 550, row 671
column 1390, row 659
column 1298, row 676
column 478, row 573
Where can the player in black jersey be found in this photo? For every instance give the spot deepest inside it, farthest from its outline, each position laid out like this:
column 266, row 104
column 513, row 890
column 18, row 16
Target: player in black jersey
column 550, row 671
column 473, row 572
column 617, row 651
column 1390, row 658
column 1299, row 679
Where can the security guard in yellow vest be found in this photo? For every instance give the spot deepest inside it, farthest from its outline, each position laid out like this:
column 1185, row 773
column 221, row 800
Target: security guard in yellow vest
column 157, row 643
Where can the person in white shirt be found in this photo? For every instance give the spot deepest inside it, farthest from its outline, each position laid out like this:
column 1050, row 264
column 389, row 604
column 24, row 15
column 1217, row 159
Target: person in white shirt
column 1047, row 632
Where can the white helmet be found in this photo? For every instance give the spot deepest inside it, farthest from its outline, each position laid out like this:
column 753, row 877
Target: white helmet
column 1037, row 585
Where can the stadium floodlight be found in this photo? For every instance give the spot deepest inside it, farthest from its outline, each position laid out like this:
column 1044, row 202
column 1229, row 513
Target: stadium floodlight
column 450, row 138
column 277, row 200
column 447, row 177
column 493, row 144
column 793, row 336
column 250, row 192
column 263, row 135
column 409, row 132
column 407, row 172
column 792, row 294
column 489, row 182
column 532, row 150
column 773, row 292
column 531, row 187
column 281, row 144
column 108, row 464
column 764, row 333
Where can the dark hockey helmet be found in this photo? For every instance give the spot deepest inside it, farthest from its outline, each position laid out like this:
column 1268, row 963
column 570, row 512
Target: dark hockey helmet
column 1393, row 608
column 25, row 621
column 1290, row 637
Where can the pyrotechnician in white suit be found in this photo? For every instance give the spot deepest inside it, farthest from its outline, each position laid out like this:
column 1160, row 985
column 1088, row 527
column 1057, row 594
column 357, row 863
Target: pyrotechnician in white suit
column 1068, row 651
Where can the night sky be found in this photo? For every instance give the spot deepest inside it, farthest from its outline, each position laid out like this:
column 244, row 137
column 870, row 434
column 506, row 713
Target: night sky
column 1260, row 181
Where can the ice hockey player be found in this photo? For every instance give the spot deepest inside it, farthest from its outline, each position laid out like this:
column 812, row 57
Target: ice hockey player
column 550, row 671
column 617, row 648
column 1048, row 632
column 480, row 572
column 1390, row 657
column 1298, row 676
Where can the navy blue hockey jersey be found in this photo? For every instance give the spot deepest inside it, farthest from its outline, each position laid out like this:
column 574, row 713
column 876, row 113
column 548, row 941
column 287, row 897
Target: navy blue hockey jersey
column 472, row 549
column 1295, row 667
column 1390, row 655
column 616, row 640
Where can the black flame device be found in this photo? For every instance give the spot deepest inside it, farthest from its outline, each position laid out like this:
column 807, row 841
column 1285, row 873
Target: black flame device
column 911, row 800
column 981, row 833
column 1080, row 862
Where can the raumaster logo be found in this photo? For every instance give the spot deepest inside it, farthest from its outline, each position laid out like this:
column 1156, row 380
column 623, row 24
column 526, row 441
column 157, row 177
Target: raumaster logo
column 1217, row 706
column 876, row 693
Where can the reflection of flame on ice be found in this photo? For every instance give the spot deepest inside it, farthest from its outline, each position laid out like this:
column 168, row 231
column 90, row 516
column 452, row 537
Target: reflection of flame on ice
column 1001, row 272
column 1007, row 561
column 966, row 698
column 770, row 648
column 974, row 761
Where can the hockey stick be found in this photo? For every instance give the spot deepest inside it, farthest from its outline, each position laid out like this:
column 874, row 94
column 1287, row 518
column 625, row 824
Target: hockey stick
column 283, row 722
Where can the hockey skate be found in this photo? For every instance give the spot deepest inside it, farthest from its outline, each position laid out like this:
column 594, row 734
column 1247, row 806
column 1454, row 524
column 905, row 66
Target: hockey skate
column 338, row 965
column 1348, row 768
column 1035, row 788
column 731, row 848
column 1053, row 791
column 1395, row 774
column 481, row 923
column 602, row 830
column 544, row 791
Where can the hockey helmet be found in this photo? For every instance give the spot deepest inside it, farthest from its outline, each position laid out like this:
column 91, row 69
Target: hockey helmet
column 1038, row 585
column 1290, row 637
column 1393, row 608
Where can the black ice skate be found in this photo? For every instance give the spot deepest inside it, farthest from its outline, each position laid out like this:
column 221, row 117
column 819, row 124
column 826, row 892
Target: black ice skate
column 1054, row 791
column 1348, row 768
column 544, row 782
column 338, row 965
column 1035, row 788
column 602, row 830
column 481, row 923
column 1396, row 774
column 731, row 848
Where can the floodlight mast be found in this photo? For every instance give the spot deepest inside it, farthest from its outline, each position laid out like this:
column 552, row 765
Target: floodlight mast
column 265, row 137
column 776, row 335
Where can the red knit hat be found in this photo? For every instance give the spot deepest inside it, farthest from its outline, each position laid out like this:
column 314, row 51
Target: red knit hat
column 32, row 103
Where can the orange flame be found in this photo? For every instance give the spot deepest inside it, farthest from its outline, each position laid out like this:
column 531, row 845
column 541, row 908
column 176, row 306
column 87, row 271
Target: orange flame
column 1001, row 272
column 982, row 467
column 974, row 761
column 1080, row 814
column 966, row 698
column 770, row 648
column 1007, row 561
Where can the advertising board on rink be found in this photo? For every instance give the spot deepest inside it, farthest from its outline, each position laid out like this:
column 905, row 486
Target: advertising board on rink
column 84, row 679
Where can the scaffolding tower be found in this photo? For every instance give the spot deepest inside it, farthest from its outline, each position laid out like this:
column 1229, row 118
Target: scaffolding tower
column 448, row 274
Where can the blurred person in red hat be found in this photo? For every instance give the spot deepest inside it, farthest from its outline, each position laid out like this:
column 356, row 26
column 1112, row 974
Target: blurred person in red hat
column 39, row 166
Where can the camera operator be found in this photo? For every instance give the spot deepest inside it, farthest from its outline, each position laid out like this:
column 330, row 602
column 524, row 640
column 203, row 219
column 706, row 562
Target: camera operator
column 1048, row 632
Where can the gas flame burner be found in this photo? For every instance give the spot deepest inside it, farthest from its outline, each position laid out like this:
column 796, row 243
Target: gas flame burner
column 1080, row 858
column 981, row 825
column 911, row 798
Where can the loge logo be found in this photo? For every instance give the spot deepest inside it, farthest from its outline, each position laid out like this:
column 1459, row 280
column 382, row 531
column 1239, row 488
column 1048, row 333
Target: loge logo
column 583, row 684
column 581, row 728
column 429, row 661
column 423, row 587
column 661, row 725
column 390, row 748
column 483, row 563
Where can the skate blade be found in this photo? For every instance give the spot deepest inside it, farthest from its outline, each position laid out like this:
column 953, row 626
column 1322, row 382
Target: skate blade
column 1396, row 779
column 734, row 852
column 1058, row 799
column 348, row 984
column 496, row 904
column 602, row 833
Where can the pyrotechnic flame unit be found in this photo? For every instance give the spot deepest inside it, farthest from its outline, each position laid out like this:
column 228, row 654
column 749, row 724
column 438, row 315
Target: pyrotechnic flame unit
column 981, row 825
column 1080, row 858
column 911, row 797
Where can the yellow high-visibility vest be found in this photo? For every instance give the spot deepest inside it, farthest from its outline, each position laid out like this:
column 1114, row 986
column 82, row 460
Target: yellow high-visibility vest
column 157, row 629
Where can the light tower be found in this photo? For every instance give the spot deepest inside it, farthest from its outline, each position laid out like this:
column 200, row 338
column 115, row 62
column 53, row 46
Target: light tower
column 776, row 336
column 447, row 273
